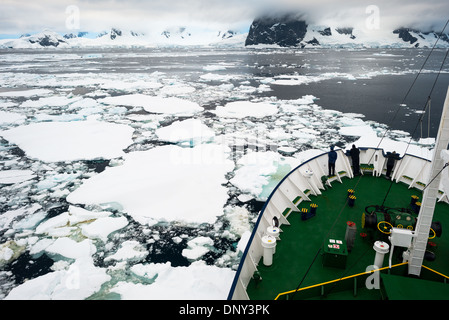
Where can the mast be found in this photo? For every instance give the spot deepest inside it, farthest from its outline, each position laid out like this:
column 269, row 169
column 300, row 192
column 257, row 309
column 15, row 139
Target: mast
column 424, row 222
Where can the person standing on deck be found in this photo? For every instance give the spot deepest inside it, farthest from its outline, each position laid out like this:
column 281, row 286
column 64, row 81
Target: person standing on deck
column 331, row 161
column 355, row 156
column 392, row 157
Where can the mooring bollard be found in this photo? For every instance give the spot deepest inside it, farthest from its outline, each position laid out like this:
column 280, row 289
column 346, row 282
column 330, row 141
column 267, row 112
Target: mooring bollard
column 351, row 200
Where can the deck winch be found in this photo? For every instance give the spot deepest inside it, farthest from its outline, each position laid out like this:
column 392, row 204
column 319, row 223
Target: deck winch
column 383, row 219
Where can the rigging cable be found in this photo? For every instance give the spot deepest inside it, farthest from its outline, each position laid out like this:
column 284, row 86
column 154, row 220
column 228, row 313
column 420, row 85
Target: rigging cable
column 414, row 81
column 420, row 120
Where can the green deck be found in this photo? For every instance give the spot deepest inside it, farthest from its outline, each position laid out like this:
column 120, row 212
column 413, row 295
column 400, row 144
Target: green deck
column 301, row 241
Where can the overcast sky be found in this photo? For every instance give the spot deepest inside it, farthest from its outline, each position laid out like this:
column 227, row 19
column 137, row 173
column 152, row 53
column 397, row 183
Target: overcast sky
column 28, row 16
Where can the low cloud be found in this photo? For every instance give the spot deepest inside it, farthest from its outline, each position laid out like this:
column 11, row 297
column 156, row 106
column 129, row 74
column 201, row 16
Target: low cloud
column 98, row 15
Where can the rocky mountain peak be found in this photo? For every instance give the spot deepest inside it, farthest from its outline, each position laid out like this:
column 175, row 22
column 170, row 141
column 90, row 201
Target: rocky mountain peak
column 284, row 30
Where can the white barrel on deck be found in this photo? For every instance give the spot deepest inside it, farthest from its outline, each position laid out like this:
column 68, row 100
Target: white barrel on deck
column 274, row 232
column 269, row 245
column 381, row 249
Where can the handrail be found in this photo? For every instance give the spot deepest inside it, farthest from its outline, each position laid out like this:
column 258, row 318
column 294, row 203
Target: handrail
column 354, row 276
column 340, row 279
column 436, row 272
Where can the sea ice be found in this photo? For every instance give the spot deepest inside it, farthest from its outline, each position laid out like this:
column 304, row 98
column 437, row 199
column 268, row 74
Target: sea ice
column 358, row 131
column 11, row 118
column 49, row 225
column 190, row 130
column 77, row 215
column 197, row 247
column 68, row 141
column 154, row 104
column 102, row 227
column 129, row 250
column 216, row 77
column 242, row 109
column 9, row 217
column 255, row 170
column 79, row 281
column 71, row 249
column 53, row 101
column 296, row 80
column 26, row 93
column 243, row 241
column 177, row 89
column 390, row 145
column 214, row 67
column 165, row 183
column 196, row 282
column 15, row 176
column 238, row 218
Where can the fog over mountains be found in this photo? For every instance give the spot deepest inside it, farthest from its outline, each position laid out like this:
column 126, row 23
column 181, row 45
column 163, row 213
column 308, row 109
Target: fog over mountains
column 291, row 31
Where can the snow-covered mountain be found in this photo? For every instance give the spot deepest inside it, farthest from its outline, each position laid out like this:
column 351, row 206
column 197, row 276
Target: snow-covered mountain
column 46, row 38
column 291, row 31
column 280, row 31
column 173, row 36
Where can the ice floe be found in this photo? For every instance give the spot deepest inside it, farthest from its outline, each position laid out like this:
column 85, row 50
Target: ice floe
column 197, row 282
column 102, row 227
column 190, row 130
column 242, row 109
column 197, row 247
column 255, row 170
column 11, row 118
column 84, row 248
column 15, row 176
column 76, row 282
column 68, row 141
column 180, row 184
column 129, row 251
column 155, row 104
column 26, row 93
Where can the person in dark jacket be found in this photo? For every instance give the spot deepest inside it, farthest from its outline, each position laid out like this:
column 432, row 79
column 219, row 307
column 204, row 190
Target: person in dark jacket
column 392, row 157
column 355, row 156
column 331, row 161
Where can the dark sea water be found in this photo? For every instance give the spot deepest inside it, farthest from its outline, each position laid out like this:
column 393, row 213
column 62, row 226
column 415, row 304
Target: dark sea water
column 382, row 77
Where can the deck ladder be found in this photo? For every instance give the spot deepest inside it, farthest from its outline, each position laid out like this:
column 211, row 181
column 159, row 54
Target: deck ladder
column 424, row 222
